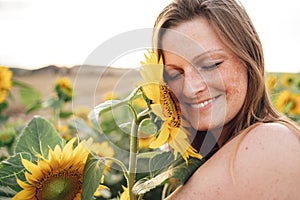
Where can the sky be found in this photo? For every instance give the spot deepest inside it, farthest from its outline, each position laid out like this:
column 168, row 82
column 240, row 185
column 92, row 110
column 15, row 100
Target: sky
column 37, row 33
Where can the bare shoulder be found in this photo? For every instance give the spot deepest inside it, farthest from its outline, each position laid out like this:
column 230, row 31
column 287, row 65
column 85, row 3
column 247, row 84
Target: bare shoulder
column 272, row 129
column 265, row 164
column 272, row 137
column 268, row 142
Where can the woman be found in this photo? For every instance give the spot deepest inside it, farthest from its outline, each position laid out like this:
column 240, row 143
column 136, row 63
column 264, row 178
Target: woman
column 214, row 65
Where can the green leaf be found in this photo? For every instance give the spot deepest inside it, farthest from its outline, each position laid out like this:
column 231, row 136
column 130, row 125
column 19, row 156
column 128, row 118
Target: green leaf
column 28, row 94
column 93, row 171
column 161, row 161
column 33, row 107
column 37, row 137
column 103, row 107
column 180, row 173
column 3, row 105
column 6, row 193
column 52, row 102
column 147, row 127
column 85, row 131
column 12, row 168
column 148, row 155
column 183, row 172
column 3, row 119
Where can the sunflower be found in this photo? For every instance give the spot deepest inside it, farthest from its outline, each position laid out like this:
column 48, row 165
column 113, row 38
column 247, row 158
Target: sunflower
column 82, row 112
column 165, row 105
column 295, row 107
column 63, row 89
column 298, row 83
column 287, row 79
column 60, row 176
column 103, row 149
column 287, row 102
column 7, row 137
column 5, row 82
column 271, row 82
column 65, row 131
column 281, row 100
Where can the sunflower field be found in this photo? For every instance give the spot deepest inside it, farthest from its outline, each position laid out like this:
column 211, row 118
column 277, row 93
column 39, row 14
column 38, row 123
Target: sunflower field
column 284, row 91
column 106, row 152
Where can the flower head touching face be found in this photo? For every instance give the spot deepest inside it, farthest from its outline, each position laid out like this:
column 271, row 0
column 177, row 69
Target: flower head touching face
column 60, row 176
column 164, row 104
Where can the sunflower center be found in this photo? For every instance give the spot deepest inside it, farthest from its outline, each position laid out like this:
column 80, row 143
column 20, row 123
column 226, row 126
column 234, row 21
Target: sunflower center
column 63, row 185
column 170, row 106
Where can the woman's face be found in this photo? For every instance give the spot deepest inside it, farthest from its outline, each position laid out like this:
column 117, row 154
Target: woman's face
column 209, row 81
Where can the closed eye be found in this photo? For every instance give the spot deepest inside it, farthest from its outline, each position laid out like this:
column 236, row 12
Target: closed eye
column 173, row 75
column 210, row 67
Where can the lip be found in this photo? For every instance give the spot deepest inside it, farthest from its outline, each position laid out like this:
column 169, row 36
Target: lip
column 204, row 104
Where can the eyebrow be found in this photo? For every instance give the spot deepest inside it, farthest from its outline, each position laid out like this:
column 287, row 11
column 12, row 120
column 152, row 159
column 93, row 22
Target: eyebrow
column 198, row 57
column 205, row 54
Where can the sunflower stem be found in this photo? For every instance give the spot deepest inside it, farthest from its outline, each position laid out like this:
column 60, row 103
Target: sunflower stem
column 134, row 143
column 121, row 164
column 133, row 159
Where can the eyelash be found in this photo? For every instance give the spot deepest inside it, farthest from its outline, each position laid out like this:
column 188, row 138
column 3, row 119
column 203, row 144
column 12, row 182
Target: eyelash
column 174, row 77
column 205, row 68
column 210, row 67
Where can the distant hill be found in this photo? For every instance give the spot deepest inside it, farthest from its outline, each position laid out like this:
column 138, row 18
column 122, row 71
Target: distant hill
column 90, row 84
column 55, row 70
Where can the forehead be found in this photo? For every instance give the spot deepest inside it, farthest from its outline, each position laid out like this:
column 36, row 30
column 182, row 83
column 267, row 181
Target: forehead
column 191, row 38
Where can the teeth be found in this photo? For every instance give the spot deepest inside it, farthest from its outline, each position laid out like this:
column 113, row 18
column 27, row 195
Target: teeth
column 201, row 105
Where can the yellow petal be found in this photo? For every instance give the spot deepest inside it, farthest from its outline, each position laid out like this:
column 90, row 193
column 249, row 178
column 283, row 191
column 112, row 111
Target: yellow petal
column 23, row 184
column 32, row 168
column 193, row 153
column 152, row 72
column 67, row 153
column 24, row 195
column 180, row 143
column 180, row 139
column 158, row 111
column 125, row 194
column 162, row 137
column 152, row 69
column 152, row 91
column 44, row 166
column 69, row 146
column 98, row 191
column 53, row 161
column 81, row 154
column 32, row 179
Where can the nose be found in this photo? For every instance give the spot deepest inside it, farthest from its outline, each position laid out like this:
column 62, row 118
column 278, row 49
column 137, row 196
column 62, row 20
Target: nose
column 194, row 82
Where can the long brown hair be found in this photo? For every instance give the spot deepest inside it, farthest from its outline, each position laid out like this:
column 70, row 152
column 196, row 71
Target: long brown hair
column 233, row 26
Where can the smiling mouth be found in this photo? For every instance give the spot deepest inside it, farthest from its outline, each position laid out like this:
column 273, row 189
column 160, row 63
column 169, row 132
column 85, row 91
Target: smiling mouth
column 203, row 104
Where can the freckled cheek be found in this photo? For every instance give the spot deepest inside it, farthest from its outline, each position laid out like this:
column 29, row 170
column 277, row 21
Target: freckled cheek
column 235, row 95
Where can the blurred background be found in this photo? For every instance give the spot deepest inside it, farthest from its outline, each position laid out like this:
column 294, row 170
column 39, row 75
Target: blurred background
column 38, row 33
